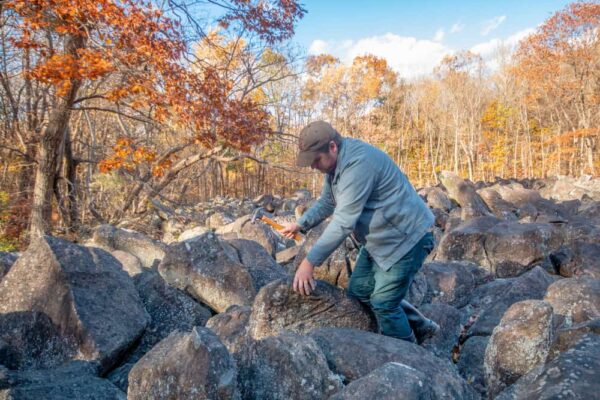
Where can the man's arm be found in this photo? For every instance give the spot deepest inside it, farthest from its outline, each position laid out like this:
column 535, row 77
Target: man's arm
column 322, row 208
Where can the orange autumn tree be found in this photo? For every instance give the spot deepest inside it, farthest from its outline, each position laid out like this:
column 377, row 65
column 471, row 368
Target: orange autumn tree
column 131, row 55
column 560, row 64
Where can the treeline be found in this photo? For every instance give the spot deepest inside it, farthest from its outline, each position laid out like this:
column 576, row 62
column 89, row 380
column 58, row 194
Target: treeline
column 103, row 112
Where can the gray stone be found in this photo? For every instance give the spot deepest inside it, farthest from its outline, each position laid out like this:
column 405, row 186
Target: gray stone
column 130, row 263
column 449, row 319
column 84, row 293
column 470, row 362
column 566, row 338
column 284, row 367
column 574, row 374
column 518, row 344
column 192, row 365
column 575, row 300
column 464, row 193
column 579, row 259
column 392, row 381
column 6, row 261
column 277, row 308
column 231, row 327
column 148, row 251
column 260, row 232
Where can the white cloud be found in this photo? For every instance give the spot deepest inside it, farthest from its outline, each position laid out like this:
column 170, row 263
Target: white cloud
column 486, row 49
column 439, row 35
column 491, row 24
column 408, row 56
column 457, row 27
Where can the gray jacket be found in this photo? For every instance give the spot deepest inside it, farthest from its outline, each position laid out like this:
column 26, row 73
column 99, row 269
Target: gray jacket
column 367, row 194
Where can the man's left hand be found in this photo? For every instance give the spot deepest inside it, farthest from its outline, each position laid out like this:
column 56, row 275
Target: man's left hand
column 304, row 283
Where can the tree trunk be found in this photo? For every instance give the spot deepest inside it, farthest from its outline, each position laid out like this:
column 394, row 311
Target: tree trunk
column 48, row 151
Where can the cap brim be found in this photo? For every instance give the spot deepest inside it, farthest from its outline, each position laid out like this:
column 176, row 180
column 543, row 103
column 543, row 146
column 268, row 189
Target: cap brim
column 305, row 158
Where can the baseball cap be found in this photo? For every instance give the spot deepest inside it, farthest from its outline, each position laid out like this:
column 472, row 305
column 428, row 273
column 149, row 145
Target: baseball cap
column 314, row 139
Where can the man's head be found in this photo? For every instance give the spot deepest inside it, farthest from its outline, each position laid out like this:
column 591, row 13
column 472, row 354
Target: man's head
column 318, row 147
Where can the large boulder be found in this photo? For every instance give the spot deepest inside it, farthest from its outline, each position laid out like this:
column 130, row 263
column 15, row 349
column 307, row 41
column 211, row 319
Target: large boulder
column 574, row 374
column 231, row 327
column 244, row 228
column 74, row 380
column 352, row 354
column 452, row 282
column 110, row 238
column 579, row 259
column 575, row 300
column 392, row 381
column 505, row 248
column 567, row 337
column 211, row 271
column 192, row 365
column 169, row 309
column 489, row 302
column 448, row 318
column 278, row 308
column 284, row 367
column 84, row 293
column 518, row 344
column 464, row 193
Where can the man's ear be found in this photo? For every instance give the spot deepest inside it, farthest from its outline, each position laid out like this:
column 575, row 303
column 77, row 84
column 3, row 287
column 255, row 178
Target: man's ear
column 333, row 148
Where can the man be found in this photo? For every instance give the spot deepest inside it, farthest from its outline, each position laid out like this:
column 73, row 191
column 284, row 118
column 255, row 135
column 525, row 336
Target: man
column 367, row 194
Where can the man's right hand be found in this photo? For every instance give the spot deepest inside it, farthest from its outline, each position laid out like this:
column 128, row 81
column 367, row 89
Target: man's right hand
column 290, row 229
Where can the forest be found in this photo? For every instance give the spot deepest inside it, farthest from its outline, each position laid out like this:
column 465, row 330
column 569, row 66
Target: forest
column 108, row 105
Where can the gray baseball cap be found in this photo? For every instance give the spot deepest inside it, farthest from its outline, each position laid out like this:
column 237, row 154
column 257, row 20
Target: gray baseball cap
column 314, row 139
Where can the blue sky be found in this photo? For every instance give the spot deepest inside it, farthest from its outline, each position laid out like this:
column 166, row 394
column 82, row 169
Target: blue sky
column 414, row 35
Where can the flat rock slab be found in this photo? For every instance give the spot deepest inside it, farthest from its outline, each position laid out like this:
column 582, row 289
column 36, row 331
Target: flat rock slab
column 285, row 367
column 392, row 381
column 574, row 374
column 353, row 354
column 84, row 293
column 277, row 308
column 192, row 365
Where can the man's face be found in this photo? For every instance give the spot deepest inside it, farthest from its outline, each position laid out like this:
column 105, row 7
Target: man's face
column 326, row 161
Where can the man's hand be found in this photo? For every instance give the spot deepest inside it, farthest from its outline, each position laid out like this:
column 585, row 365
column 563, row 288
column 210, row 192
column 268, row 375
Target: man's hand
column 304, row 283
column 290, row 229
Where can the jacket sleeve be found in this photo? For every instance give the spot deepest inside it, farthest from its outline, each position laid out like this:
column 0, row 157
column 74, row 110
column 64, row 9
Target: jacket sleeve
column 355, row 185
column 322, row 209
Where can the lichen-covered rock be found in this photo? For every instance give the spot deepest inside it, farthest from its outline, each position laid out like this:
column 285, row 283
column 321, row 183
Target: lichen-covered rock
column 277, row 308
column 579, row 259
column 575, row 300
column 285, row 367
column 84, row 293
column 212, row 271
column 258, row 231
column 169, row 309
column 518, row 344
column 231, row 327
column 574, row 374
column 260, row 264
column 353, row 354
column 192, row 365
column 110, row 238
column 489, row 302
column 392, row 381
column 566, row 338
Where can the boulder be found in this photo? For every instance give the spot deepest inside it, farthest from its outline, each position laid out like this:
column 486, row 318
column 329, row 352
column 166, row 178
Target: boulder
column 448, row 318
column 211, row 270
column 352, row 354
column 278, row 308
column 219, row 219
column 471, row 360
column 518, row 344
column 500, row 207
column 506, row 249
column 436, row 198
column 566, row 338
column 579, row 259
column 392, row 381
column 284, row 367
column 244, row 228
column 130, row 263
column 575, row 300
column 260, row 264
column 110, row 238
column 191, row 233
column 84, row 293
column 489, row 302
column 169, row 309
column 185, row 365
column 464, row 193
column 574, row 374
column 231, row 327
column 452, row 282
